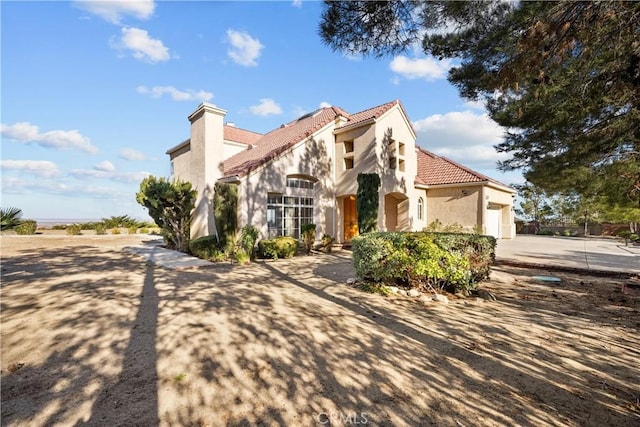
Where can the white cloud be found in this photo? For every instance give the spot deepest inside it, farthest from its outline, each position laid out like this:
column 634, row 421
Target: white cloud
column 143, row 47
column 127, row 177
column 244, row 50
column 105, row 166
column 267, row 107
column 324, row 104
column 43, row 168
column 420, row 68
column 175, row 94
column 114, row 10
column 11, row 185
column 296, row 3
column 476, row 105
column 465, row 137
column 131, row 154
column 27, row 133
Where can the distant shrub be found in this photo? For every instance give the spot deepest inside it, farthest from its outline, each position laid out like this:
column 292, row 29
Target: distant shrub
column 144, row 230
column 74, row 230
column 278, row 247
column 132, row 229
column 27, row 226
column 115, row 231
column 208, row 248
column 59, row 227
column 101, row 229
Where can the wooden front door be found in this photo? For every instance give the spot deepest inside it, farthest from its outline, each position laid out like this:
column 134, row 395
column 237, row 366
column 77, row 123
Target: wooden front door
column 350, row 218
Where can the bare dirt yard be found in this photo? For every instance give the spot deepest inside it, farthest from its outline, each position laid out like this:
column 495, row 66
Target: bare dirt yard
column 93, row 335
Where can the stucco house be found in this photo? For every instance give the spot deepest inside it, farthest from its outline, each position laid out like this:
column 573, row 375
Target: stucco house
column 306, row 171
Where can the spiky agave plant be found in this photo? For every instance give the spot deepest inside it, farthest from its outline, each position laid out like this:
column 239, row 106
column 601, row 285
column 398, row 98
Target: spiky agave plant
column 10, row 218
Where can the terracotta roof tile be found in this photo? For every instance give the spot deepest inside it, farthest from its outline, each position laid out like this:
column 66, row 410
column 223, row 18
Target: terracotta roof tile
column 273, row 143
column 436, row 170
column 232, row 133
column 277, row 141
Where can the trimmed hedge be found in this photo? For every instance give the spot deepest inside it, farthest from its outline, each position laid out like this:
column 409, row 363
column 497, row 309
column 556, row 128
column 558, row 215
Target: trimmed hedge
column 278, row 247
column 207, row 247
column 452, row 261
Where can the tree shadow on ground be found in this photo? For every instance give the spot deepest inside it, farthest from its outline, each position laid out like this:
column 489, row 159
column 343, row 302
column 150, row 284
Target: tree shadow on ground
column 288, row 343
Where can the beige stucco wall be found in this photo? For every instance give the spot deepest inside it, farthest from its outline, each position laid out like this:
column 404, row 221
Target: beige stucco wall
column 450, row 205
column 374, row 143
column 181, row 161
column 232, row 148
column 312, row 158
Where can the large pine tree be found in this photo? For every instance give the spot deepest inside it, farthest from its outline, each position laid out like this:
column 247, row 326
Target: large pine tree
column 562, row 77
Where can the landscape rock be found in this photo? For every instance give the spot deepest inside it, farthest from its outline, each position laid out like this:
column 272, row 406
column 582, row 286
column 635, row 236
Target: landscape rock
column 393, row 289
column 402, row 292
column 426, row 300
column 351, row 281
column 441, row 298
column 413, row 293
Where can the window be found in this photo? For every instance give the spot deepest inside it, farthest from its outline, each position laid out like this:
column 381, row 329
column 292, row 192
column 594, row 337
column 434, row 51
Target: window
column 348, row 147
column 401, row 165
column 348, row 163
column 286, row 214
column 420, row 209
column 300, row 183
column 392, row 162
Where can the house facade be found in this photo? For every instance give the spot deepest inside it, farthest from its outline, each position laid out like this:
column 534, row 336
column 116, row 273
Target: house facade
column 306, row 171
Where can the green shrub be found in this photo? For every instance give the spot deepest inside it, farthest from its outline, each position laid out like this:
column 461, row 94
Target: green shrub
column 241, row 257
column 101, row 229
column 308, row 234
column 279, row 247
column 207, row 247
column 144, row 230
column 115, row 231
column 59, row 227
column 452, row 261
column 28, row 226
column 248, row 238
column 132, row 229
column 74, row 229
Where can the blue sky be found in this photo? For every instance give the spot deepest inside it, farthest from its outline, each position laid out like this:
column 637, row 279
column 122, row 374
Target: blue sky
column 94, row 93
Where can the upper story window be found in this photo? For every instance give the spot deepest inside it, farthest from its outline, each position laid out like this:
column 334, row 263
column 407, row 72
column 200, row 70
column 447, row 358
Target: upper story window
column 348, row 147
column 348, row 163
column 300, row 183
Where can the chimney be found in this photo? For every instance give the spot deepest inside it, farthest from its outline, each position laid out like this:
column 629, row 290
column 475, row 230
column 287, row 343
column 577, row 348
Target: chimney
column 207, row 136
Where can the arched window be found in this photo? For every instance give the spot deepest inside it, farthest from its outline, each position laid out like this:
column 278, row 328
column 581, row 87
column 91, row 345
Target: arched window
column 420, row 209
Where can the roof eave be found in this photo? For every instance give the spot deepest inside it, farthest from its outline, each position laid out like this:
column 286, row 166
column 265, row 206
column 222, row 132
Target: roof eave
column 178, row 147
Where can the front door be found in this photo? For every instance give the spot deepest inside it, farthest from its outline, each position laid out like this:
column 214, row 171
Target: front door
column 350, row 218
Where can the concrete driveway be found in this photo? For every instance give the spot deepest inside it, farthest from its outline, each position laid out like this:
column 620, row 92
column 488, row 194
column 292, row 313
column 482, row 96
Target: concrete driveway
column 594, row 254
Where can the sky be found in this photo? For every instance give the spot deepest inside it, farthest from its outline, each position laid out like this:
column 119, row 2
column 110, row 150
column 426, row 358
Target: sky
column 94, row 93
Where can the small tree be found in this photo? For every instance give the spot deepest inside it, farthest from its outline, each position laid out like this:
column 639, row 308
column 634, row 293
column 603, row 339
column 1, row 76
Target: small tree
column 367, row 202
column 308, row 234
column 170, row 205
column 225, row 208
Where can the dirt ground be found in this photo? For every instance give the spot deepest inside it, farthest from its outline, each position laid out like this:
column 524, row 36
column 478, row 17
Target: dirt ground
column 93, row 335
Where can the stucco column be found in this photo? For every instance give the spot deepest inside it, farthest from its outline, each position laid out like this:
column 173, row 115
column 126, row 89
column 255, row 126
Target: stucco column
column 207, row 142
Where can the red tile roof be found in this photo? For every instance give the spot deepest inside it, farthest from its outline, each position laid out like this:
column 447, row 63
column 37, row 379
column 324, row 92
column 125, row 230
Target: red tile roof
column 436, row 170
column 232, row 133
column 277, row 141
column 273, row 143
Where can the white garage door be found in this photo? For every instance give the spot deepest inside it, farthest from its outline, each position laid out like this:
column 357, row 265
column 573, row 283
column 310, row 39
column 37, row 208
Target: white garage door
column 493, row 223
